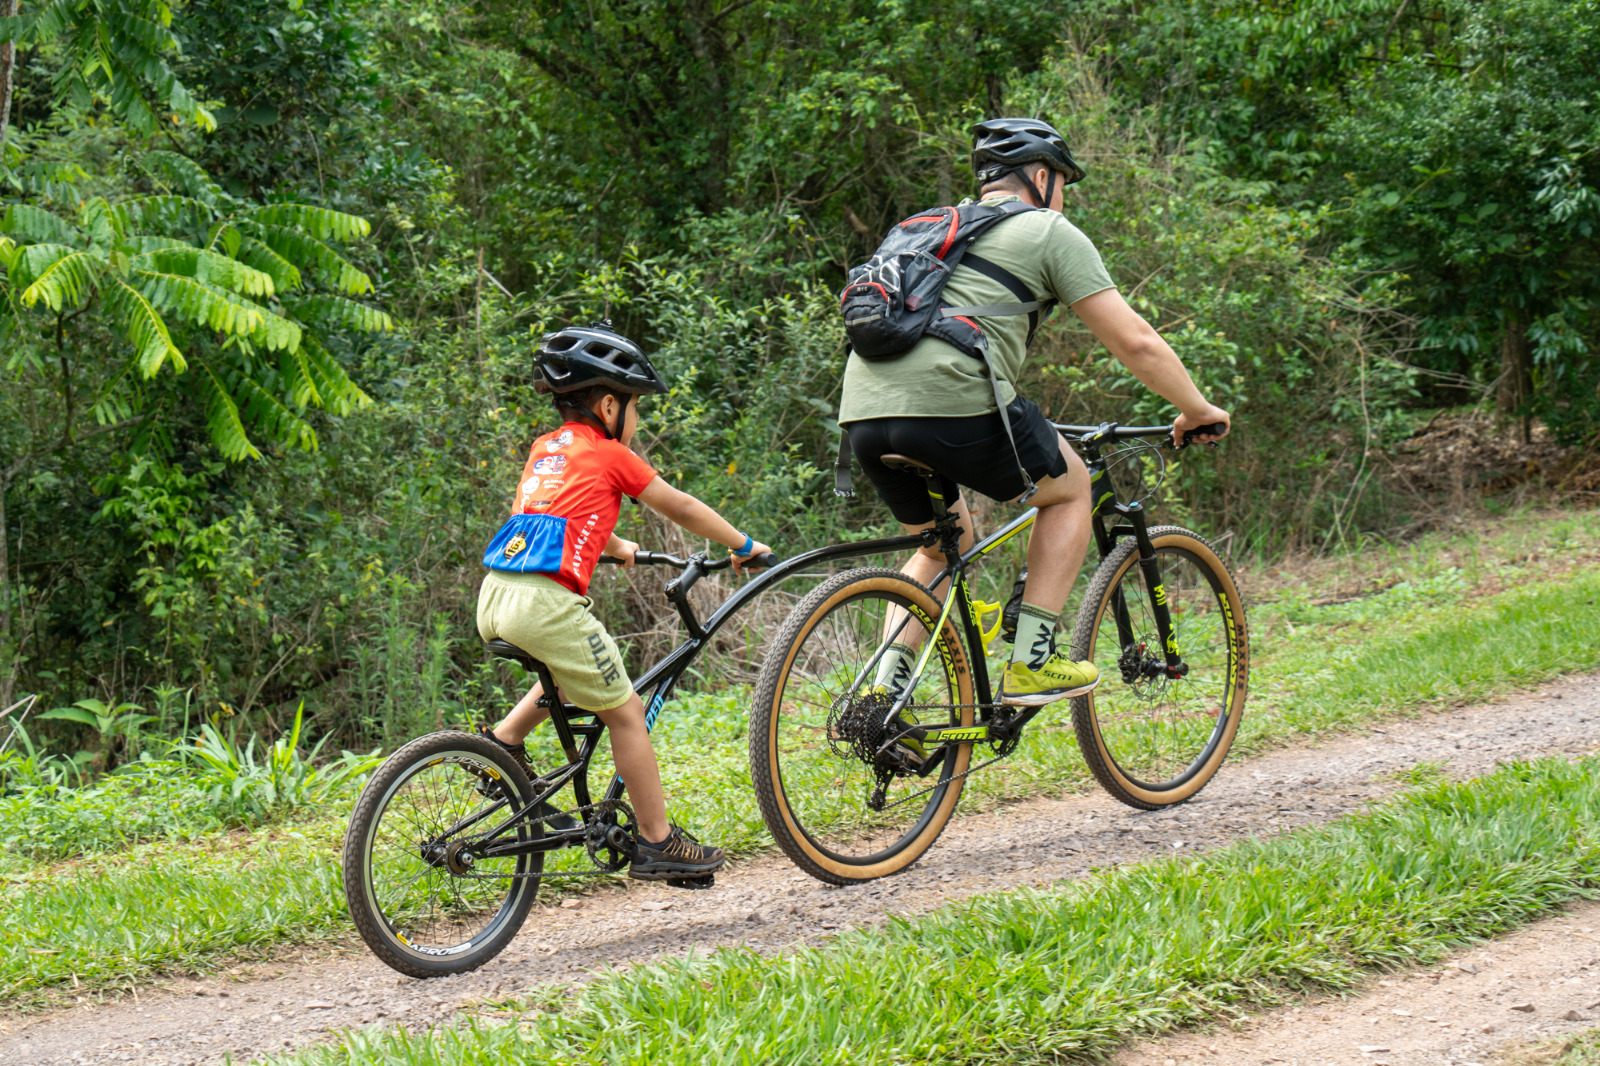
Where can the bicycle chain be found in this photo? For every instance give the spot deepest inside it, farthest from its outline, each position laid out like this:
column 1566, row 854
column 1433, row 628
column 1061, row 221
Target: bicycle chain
column 541, row 875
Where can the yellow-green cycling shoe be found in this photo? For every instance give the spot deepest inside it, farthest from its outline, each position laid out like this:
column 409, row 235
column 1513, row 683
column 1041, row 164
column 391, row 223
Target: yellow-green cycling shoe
column 914, row 751
column 1058, row 679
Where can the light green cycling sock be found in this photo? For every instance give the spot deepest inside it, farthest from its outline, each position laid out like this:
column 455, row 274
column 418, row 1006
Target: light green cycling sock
column 1036, row 640
column 894, row 669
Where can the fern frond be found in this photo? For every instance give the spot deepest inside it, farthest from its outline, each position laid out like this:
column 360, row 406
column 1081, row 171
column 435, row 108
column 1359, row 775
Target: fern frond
column 119, row 399
column 340, row 395
column 60, row 280
column 145, row 329
column 185, row 175
column 210, row 267
column 336, row 310
column 305, row 250
column 222, row 418
column 164, row 214
column 320, row 222
column 297, row 375
column 37, row 224
column 274, row 418
column 227, row 235
column 200, row 303
column 145, row 244
column 99, row 221
column 285, row 275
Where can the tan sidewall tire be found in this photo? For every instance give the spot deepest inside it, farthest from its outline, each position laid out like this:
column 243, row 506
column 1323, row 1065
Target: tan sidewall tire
column 764, row 767
column 1096, row 601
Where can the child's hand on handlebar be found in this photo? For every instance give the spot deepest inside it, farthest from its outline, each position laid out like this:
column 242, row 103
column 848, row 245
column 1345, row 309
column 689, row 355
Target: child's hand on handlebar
column 621, row 550
column 756, row 549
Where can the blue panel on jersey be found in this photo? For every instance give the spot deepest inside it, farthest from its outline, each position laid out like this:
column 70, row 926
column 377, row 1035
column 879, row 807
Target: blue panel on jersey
column 528, row 544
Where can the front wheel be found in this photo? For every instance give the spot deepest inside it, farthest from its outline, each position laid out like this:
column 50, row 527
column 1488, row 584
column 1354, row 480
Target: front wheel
column 423, row 895
column 842, row 813
column 1152, row 739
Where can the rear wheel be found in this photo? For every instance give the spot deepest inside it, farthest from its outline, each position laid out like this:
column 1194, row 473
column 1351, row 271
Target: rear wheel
column 423, row 897
column 1153, row 740
column 840, row 812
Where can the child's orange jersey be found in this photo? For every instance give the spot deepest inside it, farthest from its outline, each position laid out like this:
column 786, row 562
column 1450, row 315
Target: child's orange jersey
column 567, row 505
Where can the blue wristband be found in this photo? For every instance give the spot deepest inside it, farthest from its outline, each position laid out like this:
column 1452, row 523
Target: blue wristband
column 748, row 547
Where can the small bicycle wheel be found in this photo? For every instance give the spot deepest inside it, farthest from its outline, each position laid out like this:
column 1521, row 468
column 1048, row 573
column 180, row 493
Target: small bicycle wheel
column 423, row 896
column 840, row 811
column 1154, row 740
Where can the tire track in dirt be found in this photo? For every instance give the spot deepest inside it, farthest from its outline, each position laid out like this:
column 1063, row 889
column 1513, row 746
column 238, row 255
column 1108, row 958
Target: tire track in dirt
column 255, row 1009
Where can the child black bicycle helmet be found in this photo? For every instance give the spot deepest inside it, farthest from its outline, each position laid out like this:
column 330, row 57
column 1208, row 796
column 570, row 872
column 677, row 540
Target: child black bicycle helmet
column 1002, row 146
column 577, row 362
column 584, row 357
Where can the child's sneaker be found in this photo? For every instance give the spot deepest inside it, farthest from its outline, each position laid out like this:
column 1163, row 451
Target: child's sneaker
column 680, row 855
column 1059, row 678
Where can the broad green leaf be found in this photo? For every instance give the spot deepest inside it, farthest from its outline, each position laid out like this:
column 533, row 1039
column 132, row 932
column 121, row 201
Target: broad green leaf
column 210, row 267
column 185, row 175
column 200, row 303
column 340, row 395
column 285, row 275
column 307, row 251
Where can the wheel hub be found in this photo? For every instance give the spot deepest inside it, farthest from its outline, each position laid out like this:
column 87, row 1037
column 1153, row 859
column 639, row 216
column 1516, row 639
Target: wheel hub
column 459, row 858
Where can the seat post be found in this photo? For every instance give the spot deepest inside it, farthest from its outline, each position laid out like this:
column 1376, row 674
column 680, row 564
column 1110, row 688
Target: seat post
column 946, row 522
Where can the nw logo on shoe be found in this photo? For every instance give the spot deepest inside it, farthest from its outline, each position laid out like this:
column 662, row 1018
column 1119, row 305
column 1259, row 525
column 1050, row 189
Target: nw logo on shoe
column 902, row 674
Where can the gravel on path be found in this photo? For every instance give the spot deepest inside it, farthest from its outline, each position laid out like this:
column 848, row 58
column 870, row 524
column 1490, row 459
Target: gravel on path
column 255, row 1009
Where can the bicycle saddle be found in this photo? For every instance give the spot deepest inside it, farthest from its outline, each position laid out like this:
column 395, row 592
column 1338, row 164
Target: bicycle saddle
column 504, row 649
column 905, row 463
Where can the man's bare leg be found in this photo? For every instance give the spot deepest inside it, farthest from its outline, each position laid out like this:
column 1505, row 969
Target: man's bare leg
column 1059, row 539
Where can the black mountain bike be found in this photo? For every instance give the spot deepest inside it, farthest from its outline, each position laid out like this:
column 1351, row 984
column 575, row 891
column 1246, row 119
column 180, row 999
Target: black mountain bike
column 1162, row 618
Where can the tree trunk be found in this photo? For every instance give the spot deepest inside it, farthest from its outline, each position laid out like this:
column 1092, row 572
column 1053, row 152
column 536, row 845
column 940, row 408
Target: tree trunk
column 996, row 96
column 8, row 668
column 1516, row 376
column 8, row 59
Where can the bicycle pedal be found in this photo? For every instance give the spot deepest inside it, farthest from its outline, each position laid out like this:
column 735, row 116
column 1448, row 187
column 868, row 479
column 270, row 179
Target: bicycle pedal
column 693, row 884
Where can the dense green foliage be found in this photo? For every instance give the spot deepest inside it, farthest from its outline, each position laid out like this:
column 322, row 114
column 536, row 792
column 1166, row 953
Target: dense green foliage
column 223, row 474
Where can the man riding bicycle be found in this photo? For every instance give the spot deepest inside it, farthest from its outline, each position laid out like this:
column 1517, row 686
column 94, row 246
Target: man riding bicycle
column 937, row 405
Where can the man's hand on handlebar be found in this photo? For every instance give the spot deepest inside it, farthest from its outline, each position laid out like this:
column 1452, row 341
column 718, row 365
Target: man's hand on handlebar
column 1208, row 419
column 757, row 550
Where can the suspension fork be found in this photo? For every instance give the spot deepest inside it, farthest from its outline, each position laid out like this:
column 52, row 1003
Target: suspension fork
column 1150, row 566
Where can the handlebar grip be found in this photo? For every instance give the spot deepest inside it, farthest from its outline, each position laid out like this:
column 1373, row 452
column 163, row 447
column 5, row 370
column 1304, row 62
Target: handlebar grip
column 1215, row 428
column 764, row 561
column 611, row 560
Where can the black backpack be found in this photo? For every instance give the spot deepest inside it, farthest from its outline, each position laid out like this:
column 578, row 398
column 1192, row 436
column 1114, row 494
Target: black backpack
column 894, row 299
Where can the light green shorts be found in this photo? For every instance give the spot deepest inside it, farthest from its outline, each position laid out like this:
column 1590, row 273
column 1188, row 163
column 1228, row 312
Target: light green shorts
column 553, row 624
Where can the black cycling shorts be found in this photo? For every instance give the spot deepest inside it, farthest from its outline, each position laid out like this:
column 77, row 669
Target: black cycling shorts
column 971, row 451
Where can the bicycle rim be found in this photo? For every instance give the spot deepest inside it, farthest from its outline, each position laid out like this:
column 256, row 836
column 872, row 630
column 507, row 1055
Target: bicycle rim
column 817, row 789
column 430, row 903
column 1150, row 739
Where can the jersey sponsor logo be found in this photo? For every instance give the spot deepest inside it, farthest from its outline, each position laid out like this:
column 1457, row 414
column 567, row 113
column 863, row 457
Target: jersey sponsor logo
column 551, row 464
column 559, row 441
column 515, row 545
column 583, row 538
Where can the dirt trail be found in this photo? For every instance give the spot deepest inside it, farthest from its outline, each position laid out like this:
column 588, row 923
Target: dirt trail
column 256, row 1009
column 1540, row 982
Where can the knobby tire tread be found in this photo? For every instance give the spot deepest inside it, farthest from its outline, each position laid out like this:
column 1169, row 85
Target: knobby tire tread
column 1095, row 602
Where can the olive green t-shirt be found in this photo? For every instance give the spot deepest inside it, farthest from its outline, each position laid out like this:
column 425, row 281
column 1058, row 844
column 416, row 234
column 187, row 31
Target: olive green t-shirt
column 1048, row 254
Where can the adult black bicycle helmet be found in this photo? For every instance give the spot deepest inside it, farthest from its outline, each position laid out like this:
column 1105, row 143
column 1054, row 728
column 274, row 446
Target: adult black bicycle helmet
column 1001, row 146
column 586, row 357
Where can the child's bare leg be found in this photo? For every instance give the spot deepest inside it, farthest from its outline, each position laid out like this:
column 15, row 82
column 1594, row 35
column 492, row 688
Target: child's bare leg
column 636, row 762
column 515, row 727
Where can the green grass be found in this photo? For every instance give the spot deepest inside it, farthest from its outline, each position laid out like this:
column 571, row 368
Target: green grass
column 1031, row 977
column 168, row 906
column 1583, row 1051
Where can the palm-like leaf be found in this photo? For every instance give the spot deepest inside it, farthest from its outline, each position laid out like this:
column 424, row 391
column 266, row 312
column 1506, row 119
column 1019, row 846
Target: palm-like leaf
column 37, row 224
column 62, row 277
column 210, row 267
column 320, row 222
column 285, row 275
column 298, row 247
column 270, row 413
column 185, row 175
column 146, row 329
column 340, row 395
column 326, row 310
column 222, row 418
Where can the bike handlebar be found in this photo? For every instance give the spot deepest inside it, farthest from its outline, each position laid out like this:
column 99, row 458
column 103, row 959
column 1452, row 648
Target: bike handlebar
column 1127, row 432
column 642, row 558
